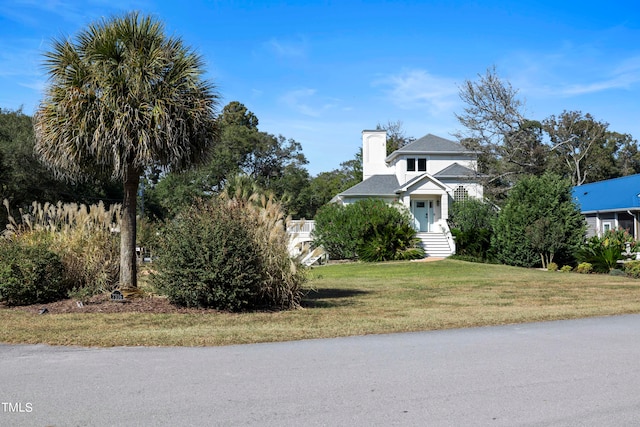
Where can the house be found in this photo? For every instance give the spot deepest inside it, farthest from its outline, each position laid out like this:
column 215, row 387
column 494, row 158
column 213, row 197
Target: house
column 610, row 205
column 426, row 176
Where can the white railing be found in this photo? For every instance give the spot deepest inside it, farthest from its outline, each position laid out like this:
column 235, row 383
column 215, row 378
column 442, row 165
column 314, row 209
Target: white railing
column 299, row 236
column 450, row 240
column 300, row 226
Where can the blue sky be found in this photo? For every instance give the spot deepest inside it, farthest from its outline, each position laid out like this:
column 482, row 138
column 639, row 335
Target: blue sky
column 322, row 71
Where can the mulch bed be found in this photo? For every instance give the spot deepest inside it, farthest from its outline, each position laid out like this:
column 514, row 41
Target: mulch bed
column 103, row 304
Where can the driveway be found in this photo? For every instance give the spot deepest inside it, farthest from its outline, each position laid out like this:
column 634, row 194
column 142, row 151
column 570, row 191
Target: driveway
column 569, row 373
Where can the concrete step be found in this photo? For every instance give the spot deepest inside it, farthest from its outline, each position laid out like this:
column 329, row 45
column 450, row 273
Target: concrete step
column 435, row 244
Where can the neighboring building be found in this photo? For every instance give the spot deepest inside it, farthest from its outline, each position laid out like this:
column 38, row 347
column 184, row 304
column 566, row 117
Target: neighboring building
column 426, row 176
column 610, row 205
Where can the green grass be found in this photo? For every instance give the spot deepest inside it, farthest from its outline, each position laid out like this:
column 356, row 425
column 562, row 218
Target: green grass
column 355, row 299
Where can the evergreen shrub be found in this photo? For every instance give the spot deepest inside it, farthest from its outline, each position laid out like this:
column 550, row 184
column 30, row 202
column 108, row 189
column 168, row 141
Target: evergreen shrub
column 228, row 254
column 471, row 223
column 30, row 274
column 369, row 230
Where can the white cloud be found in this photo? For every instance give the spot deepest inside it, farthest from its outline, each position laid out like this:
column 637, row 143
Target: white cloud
column 304, row 102
column 570, row 72
column 419, row 89
column 26, row 10
column 287, row 49
column 32, row 12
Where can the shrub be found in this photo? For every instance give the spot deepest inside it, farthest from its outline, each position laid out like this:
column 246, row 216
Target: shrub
column 632, row 268
column 30, row 274
column 604, row 252
column 338, row 230
column 282, row 277
column 566, row 268
column 206, row 258
column 584, row 268
column 370, row 230
column 552, row 266
column 228, row 254
column 471, row 225
column 82, row 238
column 617, row 272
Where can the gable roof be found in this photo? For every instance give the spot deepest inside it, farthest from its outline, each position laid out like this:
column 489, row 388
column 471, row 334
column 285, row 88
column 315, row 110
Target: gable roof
column 419, row 179
column 618, row 194
column 456, row 170
column 430, row 144
column 376, row 185
column 433, row 143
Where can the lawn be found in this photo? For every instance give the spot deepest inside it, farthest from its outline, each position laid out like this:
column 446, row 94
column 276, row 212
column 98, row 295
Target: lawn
column 354, row 299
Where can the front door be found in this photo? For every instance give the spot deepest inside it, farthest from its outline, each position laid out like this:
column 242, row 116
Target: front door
column 421, row 214
column 424, row 214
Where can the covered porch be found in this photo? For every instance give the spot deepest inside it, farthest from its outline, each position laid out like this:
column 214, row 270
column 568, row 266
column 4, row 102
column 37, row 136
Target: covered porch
column 428, row 202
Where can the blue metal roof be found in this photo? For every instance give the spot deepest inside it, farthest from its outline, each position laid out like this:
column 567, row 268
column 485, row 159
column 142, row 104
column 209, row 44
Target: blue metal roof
column 618, row 194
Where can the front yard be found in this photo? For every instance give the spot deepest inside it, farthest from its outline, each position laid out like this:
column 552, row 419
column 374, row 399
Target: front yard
column 346, row 299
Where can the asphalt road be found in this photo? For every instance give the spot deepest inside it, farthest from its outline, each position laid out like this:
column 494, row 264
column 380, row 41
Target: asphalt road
column 569, row 373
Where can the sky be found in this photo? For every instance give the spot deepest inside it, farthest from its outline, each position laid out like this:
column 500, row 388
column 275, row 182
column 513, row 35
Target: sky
column 320, row 72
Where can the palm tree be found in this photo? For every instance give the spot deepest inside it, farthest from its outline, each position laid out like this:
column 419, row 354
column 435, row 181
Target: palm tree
column 123, row 96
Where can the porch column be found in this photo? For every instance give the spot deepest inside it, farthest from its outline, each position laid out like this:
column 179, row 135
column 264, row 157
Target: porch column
column 444, row 206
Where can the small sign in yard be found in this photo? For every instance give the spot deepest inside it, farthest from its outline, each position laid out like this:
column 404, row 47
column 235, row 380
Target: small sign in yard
column 117, row 296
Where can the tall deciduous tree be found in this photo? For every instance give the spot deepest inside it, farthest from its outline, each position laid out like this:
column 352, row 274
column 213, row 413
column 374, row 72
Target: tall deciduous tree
column 575, row 138
column 627, row 154
column 123, row 97
column 495, row 125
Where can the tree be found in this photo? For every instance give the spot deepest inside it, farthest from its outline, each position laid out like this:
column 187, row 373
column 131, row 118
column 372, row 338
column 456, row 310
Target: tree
column 24, row 179
column 236, row 114
column 123, row 97
column 539, row 222
column 575, row 137
column 238, row 137
column 627, row 154
column 274, row 162
column 324, row 186
column 396, row 137
column 509, row 144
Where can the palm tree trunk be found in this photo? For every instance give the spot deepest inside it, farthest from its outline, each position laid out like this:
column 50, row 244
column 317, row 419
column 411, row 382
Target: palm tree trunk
column 128, row 273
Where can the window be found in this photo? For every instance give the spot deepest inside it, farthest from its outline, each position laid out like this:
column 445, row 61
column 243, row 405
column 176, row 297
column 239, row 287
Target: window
column 460, row 194
column 411, row 165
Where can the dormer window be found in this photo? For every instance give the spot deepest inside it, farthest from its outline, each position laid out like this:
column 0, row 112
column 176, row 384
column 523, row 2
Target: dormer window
column 411, row 165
